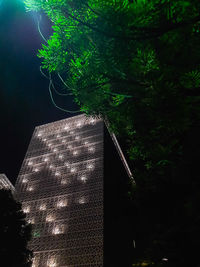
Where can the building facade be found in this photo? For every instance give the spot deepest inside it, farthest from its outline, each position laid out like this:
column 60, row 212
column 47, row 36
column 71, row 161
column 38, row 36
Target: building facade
column 5, row 183
column 60, row 186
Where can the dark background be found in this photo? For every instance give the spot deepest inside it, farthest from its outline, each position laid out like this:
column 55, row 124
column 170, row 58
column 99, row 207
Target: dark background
column 24, row 96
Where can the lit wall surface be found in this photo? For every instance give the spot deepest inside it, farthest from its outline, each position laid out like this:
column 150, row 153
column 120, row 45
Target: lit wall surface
column 60, row 186
column 5, row 183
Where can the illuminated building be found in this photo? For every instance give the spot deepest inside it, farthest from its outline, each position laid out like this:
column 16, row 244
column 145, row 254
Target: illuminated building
column 5, row 183
column 60, row 186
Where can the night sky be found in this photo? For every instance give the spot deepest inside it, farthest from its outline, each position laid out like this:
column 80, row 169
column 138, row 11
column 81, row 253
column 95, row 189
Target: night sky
column 24, row 98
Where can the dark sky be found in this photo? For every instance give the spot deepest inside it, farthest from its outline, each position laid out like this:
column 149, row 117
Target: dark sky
column 24, row 96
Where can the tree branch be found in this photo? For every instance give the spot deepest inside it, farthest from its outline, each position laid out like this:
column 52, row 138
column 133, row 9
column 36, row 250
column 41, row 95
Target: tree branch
column 99, row 86
column 97, row 29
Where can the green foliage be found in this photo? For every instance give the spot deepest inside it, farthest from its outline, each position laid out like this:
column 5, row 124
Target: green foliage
column 36, row 234
column 15, row 233
column 136, row 63
column 191, row 79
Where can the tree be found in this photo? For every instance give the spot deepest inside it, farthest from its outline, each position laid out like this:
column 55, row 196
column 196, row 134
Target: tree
column 136, row 63
column 128, row 62
column 14, row 232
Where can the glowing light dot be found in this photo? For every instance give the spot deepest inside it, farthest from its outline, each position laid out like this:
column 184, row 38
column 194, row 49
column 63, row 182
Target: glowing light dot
column 26, row 210
column 91, row 149
column 83, row 178
column 36, row 170
column 62, row 203
column 56, row 231
column 32, row 221
column 51, row 166
column 39, row 134
column 57, row 173
column 34, row 263
column 81, row 200
column 58, row 135
column 63, row 141
column 55, row 149
column 24, row 181
column 60, row 156
column 73, row 170
column 49, row 218
column 75, row 153
column 46, row 159
column 71, row 132
column 51, row 262
column 30, row 188
column 45, row 139
column 66, row 164
column 30, row 163
column 86, row 142
column 66, row 127
column 49, row 144
column 77, row 137
column 64, row 181
column 90, row 166
column 42, row 207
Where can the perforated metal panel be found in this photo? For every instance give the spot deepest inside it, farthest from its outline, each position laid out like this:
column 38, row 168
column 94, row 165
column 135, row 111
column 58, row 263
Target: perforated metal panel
column 5, row 183
column 60, row 186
